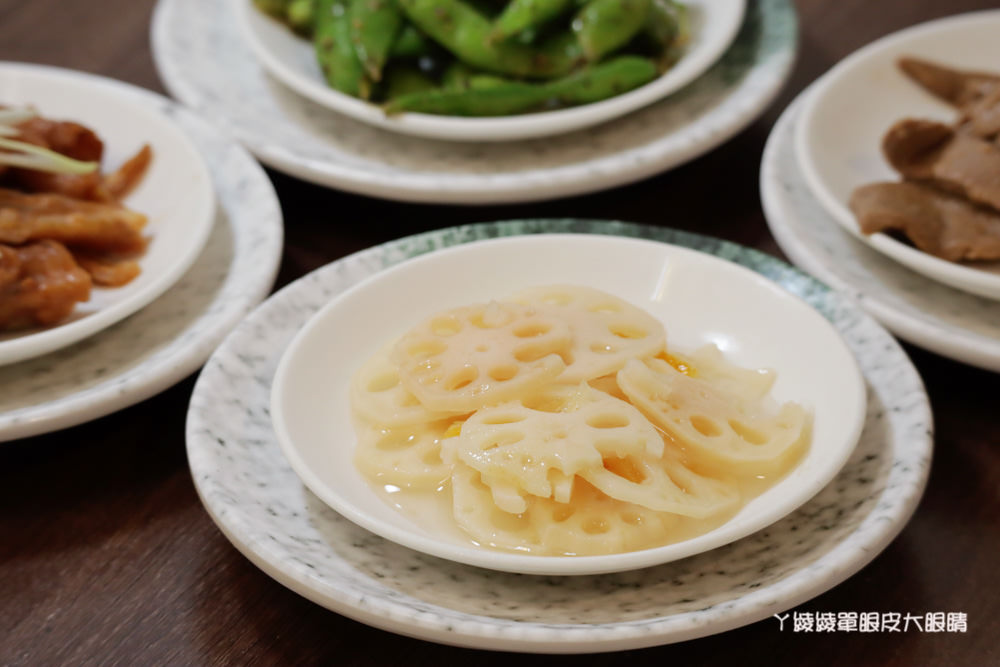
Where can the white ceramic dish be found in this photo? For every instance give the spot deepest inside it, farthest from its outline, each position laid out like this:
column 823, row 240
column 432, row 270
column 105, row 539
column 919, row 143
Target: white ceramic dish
column 171, row 337
column 262, row 506
column 311, row 404
column 292, row 61
column 925, row 312
column 838, row 139
column 205, row 62
column 175, row 194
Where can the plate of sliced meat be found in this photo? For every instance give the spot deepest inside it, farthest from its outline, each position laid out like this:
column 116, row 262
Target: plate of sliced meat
column 104, row 204
column 900, row 142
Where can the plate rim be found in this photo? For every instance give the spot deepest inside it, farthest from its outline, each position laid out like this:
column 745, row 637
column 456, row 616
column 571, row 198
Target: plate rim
column 500, row 128
column 919, row 328
column 956, row 275
column 777, row 67
column 108, row 396
column 508, row 635
column 49, row 339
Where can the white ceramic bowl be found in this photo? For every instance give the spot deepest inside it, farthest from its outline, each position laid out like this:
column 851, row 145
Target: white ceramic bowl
column 175, row 194
column 839, row 135
column 292, row 61
column 700, row 298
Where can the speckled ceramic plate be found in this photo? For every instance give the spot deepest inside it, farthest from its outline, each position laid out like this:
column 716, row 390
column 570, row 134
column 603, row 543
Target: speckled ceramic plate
column 263, row 508
column 174, row 335
column 918, row 309
column 205, row 62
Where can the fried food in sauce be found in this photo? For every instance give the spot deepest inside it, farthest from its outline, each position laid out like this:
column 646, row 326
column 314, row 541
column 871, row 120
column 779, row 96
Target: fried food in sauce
column 40, row 284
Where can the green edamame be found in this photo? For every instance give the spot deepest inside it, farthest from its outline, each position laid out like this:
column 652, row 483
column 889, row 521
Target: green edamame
column 603, row 26
column 410, row 43
column 465, row 32
column 405, row 80
column 335, row 52
column 374, row 26
column 520, row 15
column 275, row 8
column 300, row 15
column 496, row 97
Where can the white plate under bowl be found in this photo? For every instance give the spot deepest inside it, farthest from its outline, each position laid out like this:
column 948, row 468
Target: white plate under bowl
column 263, row 508
column 699, row 298
column 206, row 63
column 839, row 136
column 292, row 60
column 175, row 194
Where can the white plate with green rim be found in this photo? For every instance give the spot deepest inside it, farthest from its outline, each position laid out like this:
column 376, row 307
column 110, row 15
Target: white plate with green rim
column 265, row 510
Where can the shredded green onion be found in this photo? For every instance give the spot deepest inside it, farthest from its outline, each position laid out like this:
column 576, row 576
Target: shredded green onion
column 15, row 153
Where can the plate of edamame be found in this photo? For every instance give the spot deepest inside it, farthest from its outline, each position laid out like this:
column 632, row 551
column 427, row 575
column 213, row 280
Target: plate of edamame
column 487, row 70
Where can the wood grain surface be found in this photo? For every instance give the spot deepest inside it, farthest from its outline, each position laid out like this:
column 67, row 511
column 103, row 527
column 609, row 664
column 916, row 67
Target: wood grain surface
column 108, row 558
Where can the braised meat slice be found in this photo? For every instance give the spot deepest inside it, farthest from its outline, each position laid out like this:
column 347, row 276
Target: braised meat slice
column 957, row 162
column 936, row 222
column 95, row 225
column 40, row 284
column 957, row 87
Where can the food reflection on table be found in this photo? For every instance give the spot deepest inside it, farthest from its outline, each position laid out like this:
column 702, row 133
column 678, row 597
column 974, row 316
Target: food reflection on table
column 948, row 203
column 63, row 228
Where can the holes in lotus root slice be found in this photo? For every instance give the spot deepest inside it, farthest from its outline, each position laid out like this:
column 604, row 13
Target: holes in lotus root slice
column 520, row 451
column 379, row 397
column 719, row 429
column 664, row 485
column 405, row 456
column 465, row 358
column 595, row 524
column 475, row 513
column 607, row 331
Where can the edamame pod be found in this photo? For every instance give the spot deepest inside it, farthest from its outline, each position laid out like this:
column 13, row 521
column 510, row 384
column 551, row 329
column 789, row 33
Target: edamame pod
column 603, row 26
column 501, row 100
column 300, row 15
column 492, row 97
column 599, row 82
column 465, row 32
column 404, row 80
column 374, row 26
column 275, row 8
column 520, row 15
column 334, row 51
column 410, row 43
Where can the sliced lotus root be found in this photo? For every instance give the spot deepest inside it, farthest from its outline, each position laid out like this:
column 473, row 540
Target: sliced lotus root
column 590, row 524
column 716, row 429
column 536, row 446
column 379, row 397
column 708, row 363
column 463, row 359
column 607, row 331
column 407, row 456
column 594, row 524
column 662, row 484
column 475, row 513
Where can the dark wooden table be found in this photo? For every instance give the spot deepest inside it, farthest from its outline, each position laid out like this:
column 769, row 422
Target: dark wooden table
column 107, row 556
